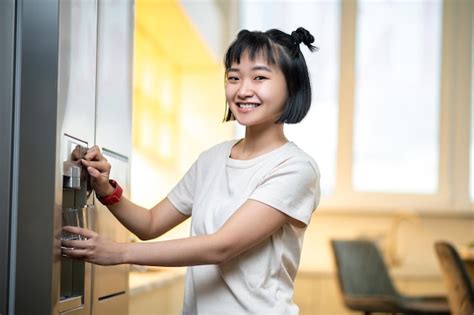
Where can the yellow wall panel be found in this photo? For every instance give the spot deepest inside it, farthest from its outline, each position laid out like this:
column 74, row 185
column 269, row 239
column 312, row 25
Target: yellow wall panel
column 178, row 97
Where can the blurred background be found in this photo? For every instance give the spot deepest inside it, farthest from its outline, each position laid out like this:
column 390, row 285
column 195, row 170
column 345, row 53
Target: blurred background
column 391, row 127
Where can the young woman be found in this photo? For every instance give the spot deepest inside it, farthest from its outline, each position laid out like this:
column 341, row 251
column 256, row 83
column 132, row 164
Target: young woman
column 250, row 199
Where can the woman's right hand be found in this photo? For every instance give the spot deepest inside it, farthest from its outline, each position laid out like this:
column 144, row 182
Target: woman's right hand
column 99, row 169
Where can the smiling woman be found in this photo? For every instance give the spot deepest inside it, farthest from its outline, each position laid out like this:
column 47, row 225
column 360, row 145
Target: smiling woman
column 250, row 199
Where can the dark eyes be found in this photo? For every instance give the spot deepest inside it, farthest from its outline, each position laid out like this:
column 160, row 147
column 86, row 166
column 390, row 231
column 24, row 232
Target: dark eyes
column 258, row 78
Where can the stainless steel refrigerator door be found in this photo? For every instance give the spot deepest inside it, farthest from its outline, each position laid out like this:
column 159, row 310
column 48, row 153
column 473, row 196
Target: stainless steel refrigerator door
column 110, row 283
column 33, row 285
column 7, row 36
column 52, row 86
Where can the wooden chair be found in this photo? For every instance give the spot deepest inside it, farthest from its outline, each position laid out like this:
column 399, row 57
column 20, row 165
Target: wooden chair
column 366, row 285
column 456, row 277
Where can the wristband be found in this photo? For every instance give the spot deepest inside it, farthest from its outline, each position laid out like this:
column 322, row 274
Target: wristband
column 114, row 197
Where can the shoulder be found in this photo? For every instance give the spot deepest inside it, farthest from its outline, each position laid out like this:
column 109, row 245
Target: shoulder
column 299, row 161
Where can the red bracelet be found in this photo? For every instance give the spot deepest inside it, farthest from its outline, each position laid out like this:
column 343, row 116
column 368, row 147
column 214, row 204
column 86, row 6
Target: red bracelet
column 114, row 197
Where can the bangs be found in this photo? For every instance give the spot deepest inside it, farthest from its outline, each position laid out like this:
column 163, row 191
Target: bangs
column 255, row 44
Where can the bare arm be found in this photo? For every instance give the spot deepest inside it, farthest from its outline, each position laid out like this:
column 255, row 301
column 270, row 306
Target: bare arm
column 252, row 223
column 147, row 224
column 144, row 223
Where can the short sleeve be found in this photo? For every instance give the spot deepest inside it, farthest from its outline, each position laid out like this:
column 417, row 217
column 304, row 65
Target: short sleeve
column 292, row 188
column 182, row 195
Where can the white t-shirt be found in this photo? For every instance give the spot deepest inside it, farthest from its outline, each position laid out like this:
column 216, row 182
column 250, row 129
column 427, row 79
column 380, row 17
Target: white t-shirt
column 259, row 281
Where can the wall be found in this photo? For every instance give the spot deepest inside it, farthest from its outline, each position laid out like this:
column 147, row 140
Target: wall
column 178, row 98
column 413, row 237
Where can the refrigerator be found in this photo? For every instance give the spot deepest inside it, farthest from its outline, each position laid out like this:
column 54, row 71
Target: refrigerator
column 65, row 85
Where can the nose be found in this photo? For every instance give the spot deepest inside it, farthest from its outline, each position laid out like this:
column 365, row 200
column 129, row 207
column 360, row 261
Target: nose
column 245, row 90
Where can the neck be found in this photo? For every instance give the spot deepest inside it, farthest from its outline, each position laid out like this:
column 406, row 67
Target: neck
column 259, row 140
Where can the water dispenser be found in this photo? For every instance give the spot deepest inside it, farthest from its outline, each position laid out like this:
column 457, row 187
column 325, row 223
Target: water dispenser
column 77, row 210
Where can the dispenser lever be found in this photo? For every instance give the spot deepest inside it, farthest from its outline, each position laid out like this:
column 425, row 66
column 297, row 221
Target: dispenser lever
column 71, row 175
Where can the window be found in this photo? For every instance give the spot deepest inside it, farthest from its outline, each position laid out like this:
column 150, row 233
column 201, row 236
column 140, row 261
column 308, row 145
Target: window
column 397, row 84
column 390, row 122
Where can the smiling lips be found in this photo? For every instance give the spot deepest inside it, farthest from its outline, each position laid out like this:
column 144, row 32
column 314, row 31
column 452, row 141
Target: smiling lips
column 246, row 107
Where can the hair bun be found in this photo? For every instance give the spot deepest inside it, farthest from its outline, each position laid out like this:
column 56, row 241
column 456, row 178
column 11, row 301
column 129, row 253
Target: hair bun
column 243, row 33
column 301, row 35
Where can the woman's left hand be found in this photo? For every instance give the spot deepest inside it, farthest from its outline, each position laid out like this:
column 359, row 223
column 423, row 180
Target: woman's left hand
column 93, row 248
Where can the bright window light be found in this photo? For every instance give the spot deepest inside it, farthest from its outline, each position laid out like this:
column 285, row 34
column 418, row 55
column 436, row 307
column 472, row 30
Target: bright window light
column 396, row 122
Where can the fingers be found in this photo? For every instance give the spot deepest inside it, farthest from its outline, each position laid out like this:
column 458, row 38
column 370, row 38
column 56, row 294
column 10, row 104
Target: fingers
column 74, row 244
column 102, row 166
column 93, row 172
column 78, row 249
column 74, row 253
column 97, row 165
column 80, row 231
column 94, row 153
column 77, row 153
column 94, row 249
column 99, row 170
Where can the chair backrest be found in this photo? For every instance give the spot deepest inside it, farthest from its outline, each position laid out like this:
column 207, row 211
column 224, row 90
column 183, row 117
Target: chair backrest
column 456, row 277
column 361, row 270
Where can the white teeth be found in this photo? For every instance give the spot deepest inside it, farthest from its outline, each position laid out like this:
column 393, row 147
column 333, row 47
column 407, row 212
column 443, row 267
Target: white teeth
column 248, row 105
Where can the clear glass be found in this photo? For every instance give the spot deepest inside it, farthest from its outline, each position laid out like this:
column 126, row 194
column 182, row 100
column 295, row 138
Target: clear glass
column 317, row 133
column 396, row 114
column 73, row 217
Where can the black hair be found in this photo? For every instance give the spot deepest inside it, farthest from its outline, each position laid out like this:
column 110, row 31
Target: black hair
column 283, row 50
